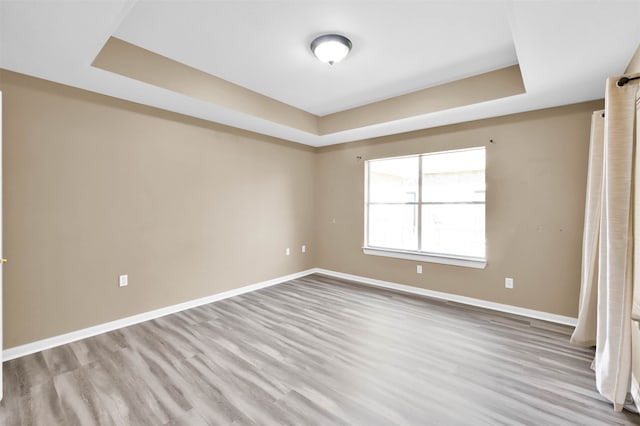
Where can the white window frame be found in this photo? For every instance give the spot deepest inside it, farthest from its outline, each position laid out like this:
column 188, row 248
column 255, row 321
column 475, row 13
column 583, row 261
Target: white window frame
column 446, row 259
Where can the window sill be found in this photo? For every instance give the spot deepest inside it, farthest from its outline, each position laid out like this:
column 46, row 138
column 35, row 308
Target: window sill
column 468, row 262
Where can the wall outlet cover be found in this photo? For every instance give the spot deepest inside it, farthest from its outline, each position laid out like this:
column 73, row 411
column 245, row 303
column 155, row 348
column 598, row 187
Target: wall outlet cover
column 123, row 280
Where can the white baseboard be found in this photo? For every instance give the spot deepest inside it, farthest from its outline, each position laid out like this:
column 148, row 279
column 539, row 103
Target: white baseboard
column 40, row 345
column 559, row 319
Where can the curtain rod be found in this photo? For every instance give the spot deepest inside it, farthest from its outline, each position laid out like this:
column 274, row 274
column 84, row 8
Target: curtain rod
column 625, row 80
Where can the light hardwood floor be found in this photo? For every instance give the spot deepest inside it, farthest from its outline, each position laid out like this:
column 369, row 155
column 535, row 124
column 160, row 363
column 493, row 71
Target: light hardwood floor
column 314, row 351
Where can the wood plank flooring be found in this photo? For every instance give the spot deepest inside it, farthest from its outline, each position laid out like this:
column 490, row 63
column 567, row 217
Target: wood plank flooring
column 314, row 351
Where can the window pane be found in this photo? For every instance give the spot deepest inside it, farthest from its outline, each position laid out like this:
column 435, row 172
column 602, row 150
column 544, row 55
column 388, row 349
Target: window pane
column 393, row 226
column 394, row 180
column 453, row 176
column 456, row 186
column 453, row 229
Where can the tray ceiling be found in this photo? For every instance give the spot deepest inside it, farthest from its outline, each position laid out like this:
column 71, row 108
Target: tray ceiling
column 413, row 64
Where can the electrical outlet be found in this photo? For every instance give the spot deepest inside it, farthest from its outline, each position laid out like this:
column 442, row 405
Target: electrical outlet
column 123, row 280
column 303, row 248
column 419, row 269
column 508, row 283
column 287, row 251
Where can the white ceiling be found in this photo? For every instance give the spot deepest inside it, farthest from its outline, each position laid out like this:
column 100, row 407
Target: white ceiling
column 397, row 47
column 565, row 49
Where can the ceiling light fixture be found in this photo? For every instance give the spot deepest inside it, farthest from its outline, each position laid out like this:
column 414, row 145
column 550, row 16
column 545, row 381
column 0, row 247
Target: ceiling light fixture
column 331, row 48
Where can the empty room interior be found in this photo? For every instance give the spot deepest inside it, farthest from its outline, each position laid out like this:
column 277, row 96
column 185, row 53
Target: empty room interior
column 319, row 212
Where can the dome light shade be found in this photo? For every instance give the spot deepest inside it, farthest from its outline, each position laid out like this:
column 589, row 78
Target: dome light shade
column 331, row 48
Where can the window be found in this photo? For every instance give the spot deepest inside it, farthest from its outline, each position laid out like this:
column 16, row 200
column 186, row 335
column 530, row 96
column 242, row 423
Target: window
column 427, row 207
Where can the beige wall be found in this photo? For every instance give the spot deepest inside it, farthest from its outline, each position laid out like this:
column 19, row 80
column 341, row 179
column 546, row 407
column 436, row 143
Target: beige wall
column 536, row 180
column 96, row 187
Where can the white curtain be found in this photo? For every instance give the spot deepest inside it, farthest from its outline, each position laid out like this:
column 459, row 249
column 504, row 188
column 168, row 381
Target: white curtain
column 608, row 243
column 585, row 332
